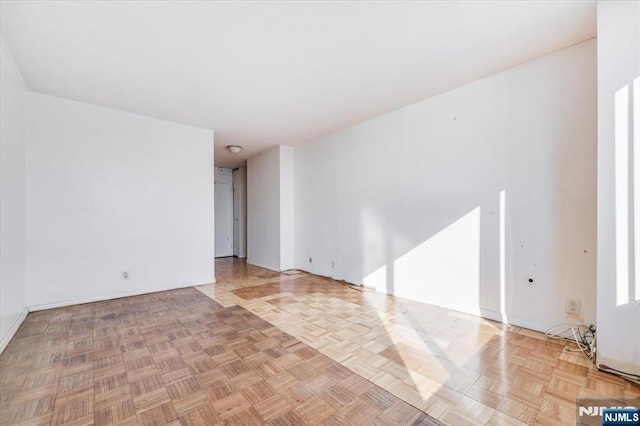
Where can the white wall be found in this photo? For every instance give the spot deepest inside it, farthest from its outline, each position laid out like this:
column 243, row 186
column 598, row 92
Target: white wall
column 618, row 269
column 13, row 281
column 410, row 202
column 287, row 260
column 263, row 209
column 270, row 208
column 109, row 191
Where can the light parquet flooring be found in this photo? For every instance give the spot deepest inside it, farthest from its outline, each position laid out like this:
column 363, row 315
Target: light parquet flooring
column 457, row 368
column 286, row 349
column 178, row 357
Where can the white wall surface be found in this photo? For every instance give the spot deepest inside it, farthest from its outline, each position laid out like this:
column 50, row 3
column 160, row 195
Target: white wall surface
column 287, row 260
column 13, row 281
column 109, row 191
column 270, row 233
column 618, row 208
column 459, row 200
column 263, row 209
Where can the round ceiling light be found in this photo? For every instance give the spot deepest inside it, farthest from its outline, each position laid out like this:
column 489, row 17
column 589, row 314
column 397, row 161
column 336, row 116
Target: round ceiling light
column 234, row 149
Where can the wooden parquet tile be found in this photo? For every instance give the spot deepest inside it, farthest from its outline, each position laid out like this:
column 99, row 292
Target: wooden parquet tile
column 455, row 367
column 286, row 350
column 175, row 357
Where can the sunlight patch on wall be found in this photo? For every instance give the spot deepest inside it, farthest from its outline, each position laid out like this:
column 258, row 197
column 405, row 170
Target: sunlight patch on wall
column 503, row 257
column 621, row 158
column 443, row 270
column 377, row 279
column 636, row 183
column 373, row 239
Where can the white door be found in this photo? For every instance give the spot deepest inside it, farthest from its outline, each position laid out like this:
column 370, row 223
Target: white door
column 224, row 219
column 236, row 215
column 240, row 212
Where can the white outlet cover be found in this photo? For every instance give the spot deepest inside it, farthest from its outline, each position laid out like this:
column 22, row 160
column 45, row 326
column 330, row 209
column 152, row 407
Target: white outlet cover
column 573, row 307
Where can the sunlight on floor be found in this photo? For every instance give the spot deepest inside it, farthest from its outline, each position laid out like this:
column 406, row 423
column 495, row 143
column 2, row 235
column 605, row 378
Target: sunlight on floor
column 458, row 368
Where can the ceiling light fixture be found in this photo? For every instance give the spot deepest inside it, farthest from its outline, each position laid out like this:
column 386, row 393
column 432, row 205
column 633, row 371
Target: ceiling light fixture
column 234, row 149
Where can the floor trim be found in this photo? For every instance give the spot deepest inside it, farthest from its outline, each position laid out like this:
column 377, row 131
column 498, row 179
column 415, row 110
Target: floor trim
column 540, row 326
column 260, row 265
column 61, row 304
column 14, row 328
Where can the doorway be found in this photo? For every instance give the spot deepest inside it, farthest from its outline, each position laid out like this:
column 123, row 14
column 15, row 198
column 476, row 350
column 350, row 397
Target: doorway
column 240, row 212
column 223, row 195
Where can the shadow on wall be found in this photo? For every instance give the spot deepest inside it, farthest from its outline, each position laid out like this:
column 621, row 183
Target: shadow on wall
column 462, row 266
column 450, row 257
column 464, row 198
column 494, row 249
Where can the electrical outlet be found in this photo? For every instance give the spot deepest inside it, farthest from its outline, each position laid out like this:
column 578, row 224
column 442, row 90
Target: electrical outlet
column 573, row 307
column 310, row 260
column 333, row 264
column 125, row 275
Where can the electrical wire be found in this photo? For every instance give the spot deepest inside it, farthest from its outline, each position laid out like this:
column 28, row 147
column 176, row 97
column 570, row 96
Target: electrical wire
column 582, row 335
column 585, row 338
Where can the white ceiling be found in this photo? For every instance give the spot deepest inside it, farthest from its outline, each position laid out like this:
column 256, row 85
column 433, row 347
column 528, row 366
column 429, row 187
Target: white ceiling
column 267, row 73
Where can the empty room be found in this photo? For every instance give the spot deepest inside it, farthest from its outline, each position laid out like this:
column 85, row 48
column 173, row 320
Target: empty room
column 320, row 212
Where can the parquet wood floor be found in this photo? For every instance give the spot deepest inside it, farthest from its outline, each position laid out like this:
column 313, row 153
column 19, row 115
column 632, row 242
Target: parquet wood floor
column 457, row 368
column 286, row 349
column 178, row 357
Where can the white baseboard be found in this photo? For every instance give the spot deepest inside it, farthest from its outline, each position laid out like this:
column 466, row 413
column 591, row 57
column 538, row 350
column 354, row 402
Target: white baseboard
column 541, row 326
column 53, row 305
column 271, row 268
column 628, row 371
column 14, row 328
column 517, row 321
